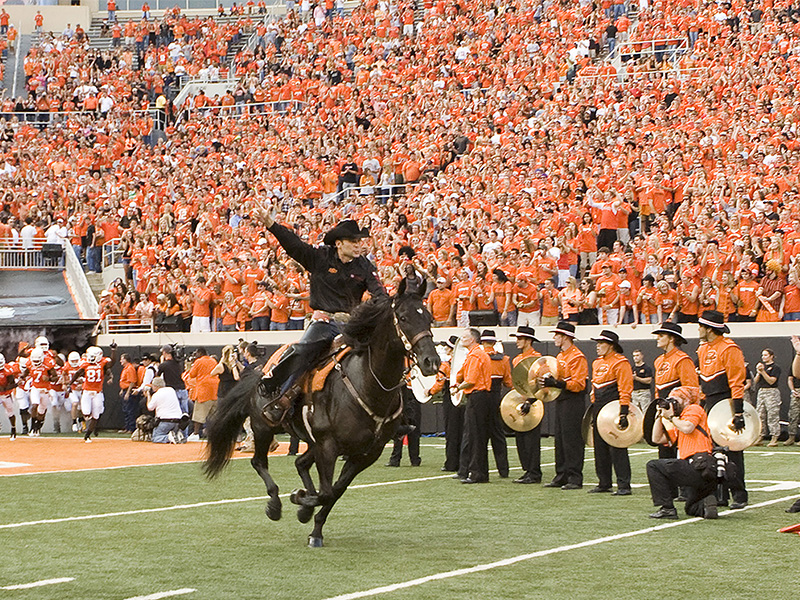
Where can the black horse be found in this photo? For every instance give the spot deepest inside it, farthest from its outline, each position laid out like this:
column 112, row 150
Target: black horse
column 356, row 412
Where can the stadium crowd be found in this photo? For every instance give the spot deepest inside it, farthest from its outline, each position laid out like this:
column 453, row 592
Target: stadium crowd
column 493, row 153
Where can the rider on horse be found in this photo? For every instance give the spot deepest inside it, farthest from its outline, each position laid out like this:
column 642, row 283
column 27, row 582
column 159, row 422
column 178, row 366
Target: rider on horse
column 338, row 276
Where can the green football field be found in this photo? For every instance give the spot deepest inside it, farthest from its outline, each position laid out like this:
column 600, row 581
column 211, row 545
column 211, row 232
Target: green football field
column 403, row 533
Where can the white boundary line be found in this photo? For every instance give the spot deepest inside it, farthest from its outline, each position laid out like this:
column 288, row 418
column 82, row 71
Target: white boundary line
column 169, row 594
column 35, row 584
column 523, row 557
column 234, row 500
column 114, row 468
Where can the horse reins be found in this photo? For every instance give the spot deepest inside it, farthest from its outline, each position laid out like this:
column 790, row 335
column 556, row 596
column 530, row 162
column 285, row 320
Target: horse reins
column 409, row 352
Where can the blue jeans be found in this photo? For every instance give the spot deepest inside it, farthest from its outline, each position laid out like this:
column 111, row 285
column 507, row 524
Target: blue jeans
column 94, row 257
column 278, row 326
column 301, row 356
column 161, row 432
column 260, row 324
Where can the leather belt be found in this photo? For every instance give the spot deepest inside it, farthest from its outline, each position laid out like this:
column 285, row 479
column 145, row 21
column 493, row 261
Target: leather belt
column 327, row 317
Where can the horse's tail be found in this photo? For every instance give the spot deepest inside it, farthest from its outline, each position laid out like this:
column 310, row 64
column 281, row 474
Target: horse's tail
column 226, row 422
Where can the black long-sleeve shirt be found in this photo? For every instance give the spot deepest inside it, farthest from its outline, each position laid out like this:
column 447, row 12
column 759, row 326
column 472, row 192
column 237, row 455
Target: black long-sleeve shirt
column 334, row 286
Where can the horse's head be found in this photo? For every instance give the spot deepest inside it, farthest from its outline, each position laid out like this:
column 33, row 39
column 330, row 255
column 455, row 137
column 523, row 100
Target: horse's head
column 413, row 323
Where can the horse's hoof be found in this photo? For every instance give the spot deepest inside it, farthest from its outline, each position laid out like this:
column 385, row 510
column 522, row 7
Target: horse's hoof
column 304, row 513
column 296, row 497
column 314, row 542
column 274, row 510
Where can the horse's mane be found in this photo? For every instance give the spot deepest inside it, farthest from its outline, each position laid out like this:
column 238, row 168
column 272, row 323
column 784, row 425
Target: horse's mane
column 363, row 321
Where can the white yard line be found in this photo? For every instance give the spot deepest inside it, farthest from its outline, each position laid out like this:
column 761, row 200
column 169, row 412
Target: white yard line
column 169, row 594
column 35, row 584
column 161, row 464
column 523, row 557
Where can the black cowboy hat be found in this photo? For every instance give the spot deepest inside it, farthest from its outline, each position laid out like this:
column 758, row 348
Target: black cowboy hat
column 672, row 329
column 565, row 328
column 609, row 337
column 345, row 230
column 523, row 331
column 713, row 319
column 451, row 341
column 488, row 335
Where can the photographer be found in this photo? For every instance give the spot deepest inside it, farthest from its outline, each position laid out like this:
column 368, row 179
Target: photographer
column 696, row 469
column 164, row 402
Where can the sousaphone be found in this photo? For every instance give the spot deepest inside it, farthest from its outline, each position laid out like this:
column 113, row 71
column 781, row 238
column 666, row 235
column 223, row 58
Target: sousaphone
column 607, row 424
column 542, row 366
column 510, row 411
column 459, row 357
column 720, row 426
column 420, row 384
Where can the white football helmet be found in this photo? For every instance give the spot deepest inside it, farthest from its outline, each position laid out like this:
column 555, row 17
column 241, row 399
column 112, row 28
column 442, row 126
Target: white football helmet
column 74, row 359
column 42, row 342
column 23, row 362
column 2, row 360
column 37, row 357
column 94, row 354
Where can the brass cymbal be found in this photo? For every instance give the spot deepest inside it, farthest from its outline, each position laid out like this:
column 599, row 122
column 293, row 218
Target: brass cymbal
column 541, row 367
column 519, row 375
column 608, row 425
column 510, row 412
column 587, row 431
column 719, row 426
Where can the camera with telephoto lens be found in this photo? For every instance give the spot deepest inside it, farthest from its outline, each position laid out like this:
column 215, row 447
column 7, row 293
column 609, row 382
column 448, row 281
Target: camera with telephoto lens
column 667, row 403
column 720, row 464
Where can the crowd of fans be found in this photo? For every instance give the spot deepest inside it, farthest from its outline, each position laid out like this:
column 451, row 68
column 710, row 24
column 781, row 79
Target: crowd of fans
column 489, row 147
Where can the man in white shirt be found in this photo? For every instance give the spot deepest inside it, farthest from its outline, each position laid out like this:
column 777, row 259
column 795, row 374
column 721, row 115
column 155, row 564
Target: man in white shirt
column 57, row 233
column 164, row 401
column 27, row 234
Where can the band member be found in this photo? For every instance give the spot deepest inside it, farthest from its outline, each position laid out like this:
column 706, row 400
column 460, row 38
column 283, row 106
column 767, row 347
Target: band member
column 722, row 377
column 695, row 469
column 529, row 447
column 94, row 369
column 795, row 508
column 572, row 377
column 673, row 369
column 501, row 375
column 453, row 415
column 339, row 275
column 612, row 379
column 8, row 374
column 475, row 379
column 412, row 418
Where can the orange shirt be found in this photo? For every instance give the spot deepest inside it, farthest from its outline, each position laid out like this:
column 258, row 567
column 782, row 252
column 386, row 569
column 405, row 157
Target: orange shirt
column 696, row 441
column 476, row 370
column 746, row 292
column 500, row 366
column 612, row 379
column 128, row 377
column 205, row 384
column 674, row 369
column 573, row 369
column 440, row 303
column 722, row 370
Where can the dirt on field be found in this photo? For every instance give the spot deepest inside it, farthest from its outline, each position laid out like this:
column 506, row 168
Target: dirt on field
column 52, row 455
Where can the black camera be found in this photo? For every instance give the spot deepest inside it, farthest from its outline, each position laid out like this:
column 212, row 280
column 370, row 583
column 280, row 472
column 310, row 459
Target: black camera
column 667, row 403
column 720, row 464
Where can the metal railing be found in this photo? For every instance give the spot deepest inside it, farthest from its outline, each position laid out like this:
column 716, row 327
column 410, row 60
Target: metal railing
column 51, row 119
column 245, row 109
column 19, row 255
column 126, row 324
column 79, row 284
column 112, row 253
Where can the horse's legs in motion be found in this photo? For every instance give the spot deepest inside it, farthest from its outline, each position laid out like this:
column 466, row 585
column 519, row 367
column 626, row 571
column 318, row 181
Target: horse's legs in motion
column 263, row 437
column 327, row 498
column 308, row 503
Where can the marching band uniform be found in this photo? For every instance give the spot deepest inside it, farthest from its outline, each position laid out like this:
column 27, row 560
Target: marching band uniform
column 722, row 377
column 476, row 370
column 529, row 443
column 573, row 374
column 453, row 415
column 501, row 375
column 612, row 379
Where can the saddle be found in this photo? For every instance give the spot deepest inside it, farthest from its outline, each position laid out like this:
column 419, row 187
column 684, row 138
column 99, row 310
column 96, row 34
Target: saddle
column 313, row 380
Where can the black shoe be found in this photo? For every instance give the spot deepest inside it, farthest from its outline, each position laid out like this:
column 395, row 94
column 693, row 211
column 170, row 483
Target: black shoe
column 571, row 486
column 416, row 464
column 469, row 480
column 525, row 479
column 391, row 464
column 599, row 490
column 457, row 476
column 738, row 505
column 622, row 492
column 794, row 508
column 446, row 470
column 665, row 513
column 710, row 507
column 552, row 484
column 503, row 475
